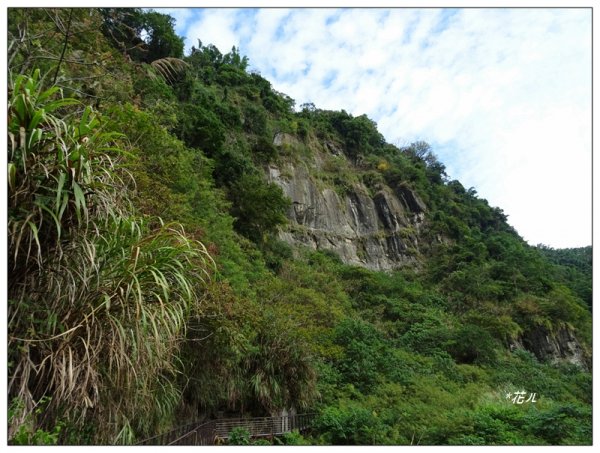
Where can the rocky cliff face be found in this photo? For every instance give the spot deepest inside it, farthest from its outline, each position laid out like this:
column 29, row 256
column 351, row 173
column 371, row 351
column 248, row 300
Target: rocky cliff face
column 376, row 229
column 554, row 347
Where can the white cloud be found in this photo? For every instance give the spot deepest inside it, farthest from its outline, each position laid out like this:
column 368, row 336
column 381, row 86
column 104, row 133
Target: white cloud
column 503, row 95
column 215, row 26
column 181, row 16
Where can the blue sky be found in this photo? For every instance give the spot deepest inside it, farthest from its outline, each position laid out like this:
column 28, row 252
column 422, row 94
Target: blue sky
column 502, row 95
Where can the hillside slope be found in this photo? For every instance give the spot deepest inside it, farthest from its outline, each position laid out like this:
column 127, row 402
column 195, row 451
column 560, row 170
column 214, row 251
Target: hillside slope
column 185, row 244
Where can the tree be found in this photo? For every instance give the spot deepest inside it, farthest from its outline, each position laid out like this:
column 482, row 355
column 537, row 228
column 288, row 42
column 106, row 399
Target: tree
column 259, row 207
column 360, row 134
column 421, row 151
column 234, row 59
column 472, row 344
column 145, row 36
column 364, row 353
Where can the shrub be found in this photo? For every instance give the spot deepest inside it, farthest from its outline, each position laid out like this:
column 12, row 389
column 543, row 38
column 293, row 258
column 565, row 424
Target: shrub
column 294, row 438
column 349, row 423
column 264, row 150
column 472, row 344
column 562, row 424
column 364, row 357
column 255, row 119
column 200, row 128
column 239, row 436
column 258, row 207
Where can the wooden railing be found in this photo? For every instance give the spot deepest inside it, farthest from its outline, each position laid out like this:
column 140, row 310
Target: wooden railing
column 218, row 431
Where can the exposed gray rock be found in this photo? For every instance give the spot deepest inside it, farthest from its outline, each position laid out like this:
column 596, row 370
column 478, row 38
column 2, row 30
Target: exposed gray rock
column 390, row 211
column 361, row 212
column 411, row 199
column 555, row 347
column 334, row 149
column 282, row 138
column 378, row 232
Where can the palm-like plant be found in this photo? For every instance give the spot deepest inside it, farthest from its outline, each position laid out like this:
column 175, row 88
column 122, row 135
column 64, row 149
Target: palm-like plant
column 168, row 68
column 98, row 301
column 54, row 166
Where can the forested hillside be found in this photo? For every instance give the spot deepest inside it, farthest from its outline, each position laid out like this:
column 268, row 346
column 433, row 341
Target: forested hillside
column 185, row 243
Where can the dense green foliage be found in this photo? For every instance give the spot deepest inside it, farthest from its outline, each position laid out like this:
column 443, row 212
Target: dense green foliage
column 573, row 267
column 148, row 286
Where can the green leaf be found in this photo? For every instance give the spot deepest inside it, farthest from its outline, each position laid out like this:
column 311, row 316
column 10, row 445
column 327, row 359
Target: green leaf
column 61, row 182
column 84, row 126
column 19, row 109
column 63, row 206
column 12, row 175
column 35, row 77
column 53, row 215
column 37, row 117
column 34, row 231
column 54, row 105
column 80, row 204
column 18, row 81
column 46, row 94
column 35, row 137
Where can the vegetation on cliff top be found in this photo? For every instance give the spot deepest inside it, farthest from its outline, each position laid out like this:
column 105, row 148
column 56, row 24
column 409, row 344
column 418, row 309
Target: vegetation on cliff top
column 148, row 287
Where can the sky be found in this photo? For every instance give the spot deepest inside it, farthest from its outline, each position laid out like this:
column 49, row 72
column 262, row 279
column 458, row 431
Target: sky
column 503, row 96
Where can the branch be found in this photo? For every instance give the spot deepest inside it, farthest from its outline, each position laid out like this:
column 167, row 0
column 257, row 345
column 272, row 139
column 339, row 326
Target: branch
column 79, row 92
column 55, row 20
column 62, row 55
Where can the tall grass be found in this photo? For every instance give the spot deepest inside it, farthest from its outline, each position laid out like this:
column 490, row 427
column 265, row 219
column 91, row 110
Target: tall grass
column 98, row 300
